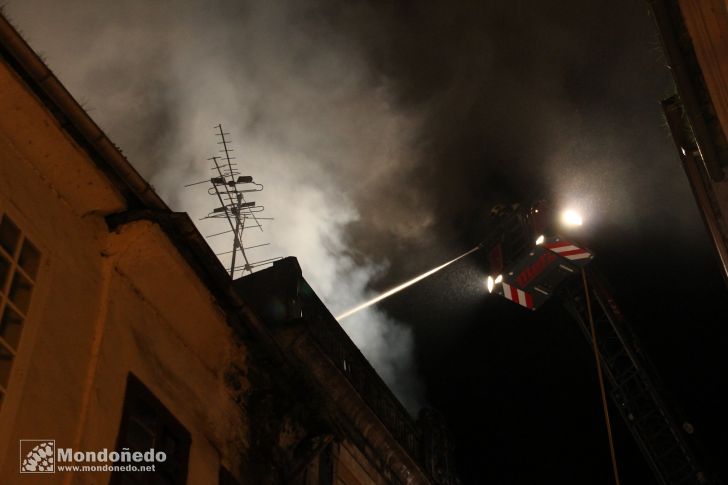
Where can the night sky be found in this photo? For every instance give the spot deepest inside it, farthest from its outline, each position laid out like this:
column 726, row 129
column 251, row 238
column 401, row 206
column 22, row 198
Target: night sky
column 514, row 84
column 420, row 116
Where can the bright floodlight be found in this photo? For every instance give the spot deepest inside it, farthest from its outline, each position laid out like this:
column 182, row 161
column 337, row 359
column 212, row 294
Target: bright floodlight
column 490, row 284
column 571, row 218
column 498, row 279
column 539, row 240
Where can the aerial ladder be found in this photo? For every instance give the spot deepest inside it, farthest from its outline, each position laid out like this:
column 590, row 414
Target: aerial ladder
column 530, row 264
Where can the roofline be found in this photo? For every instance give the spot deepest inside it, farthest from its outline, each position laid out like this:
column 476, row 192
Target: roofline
column 74, row 118
column 143, row 203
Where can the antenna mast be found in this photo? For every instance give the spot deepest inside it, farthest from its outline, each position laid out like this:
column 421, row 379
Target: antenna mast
column 228, row 187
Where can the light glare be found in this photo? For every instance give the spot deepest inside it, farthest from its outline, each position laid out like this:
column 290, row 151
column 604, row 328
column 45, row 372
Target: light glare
column 571, row 218
column 498, row 279
column 490, row 283
column 539, row 240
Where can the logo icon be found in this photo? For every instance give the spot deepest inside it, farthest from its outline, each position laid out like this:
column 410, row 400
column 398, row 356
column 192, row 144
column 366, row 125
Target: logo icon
column 37, row 456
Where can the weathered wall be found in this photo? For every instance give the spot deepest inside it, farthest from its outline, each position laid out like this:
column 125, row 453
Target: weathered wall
column 352, row 468
column 104, row 305
column 110, row 302
column 707, row 24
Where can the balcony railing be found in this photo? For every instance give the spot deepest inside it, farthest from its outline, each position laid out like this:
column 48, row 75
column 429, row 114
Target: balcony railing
column 337, row 345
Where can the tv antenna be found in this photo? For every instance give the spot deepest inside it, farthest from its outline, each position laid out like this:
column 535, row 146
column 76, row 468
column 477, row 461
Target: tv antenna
column 228, row 187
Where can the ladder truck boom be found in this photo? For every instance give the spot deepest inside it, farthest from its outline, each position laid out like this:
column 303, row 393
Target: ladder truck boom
column 530, row 263
column 632, row 386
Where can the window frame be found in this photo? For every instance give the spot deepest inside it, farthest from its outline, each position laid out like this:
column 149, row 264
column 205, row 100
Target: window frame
column 136, row 392
column 16, row 271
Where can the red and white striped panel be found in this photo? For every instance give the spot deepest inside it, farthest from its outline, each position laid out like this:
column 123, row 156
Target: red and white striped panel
column 518, row 296
column 568, row 250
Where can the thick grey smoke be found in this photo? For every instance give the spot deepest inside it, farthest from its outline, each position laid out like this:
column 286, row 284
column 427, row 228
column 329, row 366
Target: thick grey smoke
column 306, row 116
column 384, row 131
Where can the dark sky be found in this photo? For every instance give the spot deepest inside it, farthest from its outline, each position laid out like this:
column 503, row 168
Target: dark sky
column 509, row 88
column 384, row 132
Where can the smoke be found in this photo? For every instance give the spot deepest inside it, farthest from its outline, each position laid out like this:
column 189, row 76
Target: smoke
column 306, row 116
column 383, row 131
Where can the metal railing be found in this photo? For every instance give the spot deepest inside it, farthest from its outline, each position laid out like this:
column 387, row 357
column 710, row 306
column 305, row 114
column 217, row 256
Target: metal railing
column 337, row 345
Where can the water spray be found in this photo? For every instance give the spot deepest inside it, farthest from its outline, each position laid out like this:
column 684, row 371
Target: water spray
column 404, row 285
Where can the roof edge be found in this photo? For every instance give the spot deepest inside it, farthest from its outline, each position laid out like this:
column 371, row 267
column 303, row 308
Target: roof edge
column 41, row 80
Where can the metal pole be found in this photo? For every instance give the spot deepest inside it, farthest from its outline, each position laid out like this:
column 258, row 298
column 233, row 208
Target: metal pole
column 235, row 239
column 600, row 377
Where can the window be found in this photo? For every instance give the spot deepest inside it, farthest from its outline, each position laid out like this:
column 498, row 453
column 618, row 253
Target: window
column 19, row 263
column 146, row 424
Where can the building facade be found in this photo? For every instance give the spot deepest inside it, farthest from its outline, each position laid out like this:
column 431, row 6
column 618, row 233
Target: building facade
column 694, row 37
column 120, row 331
